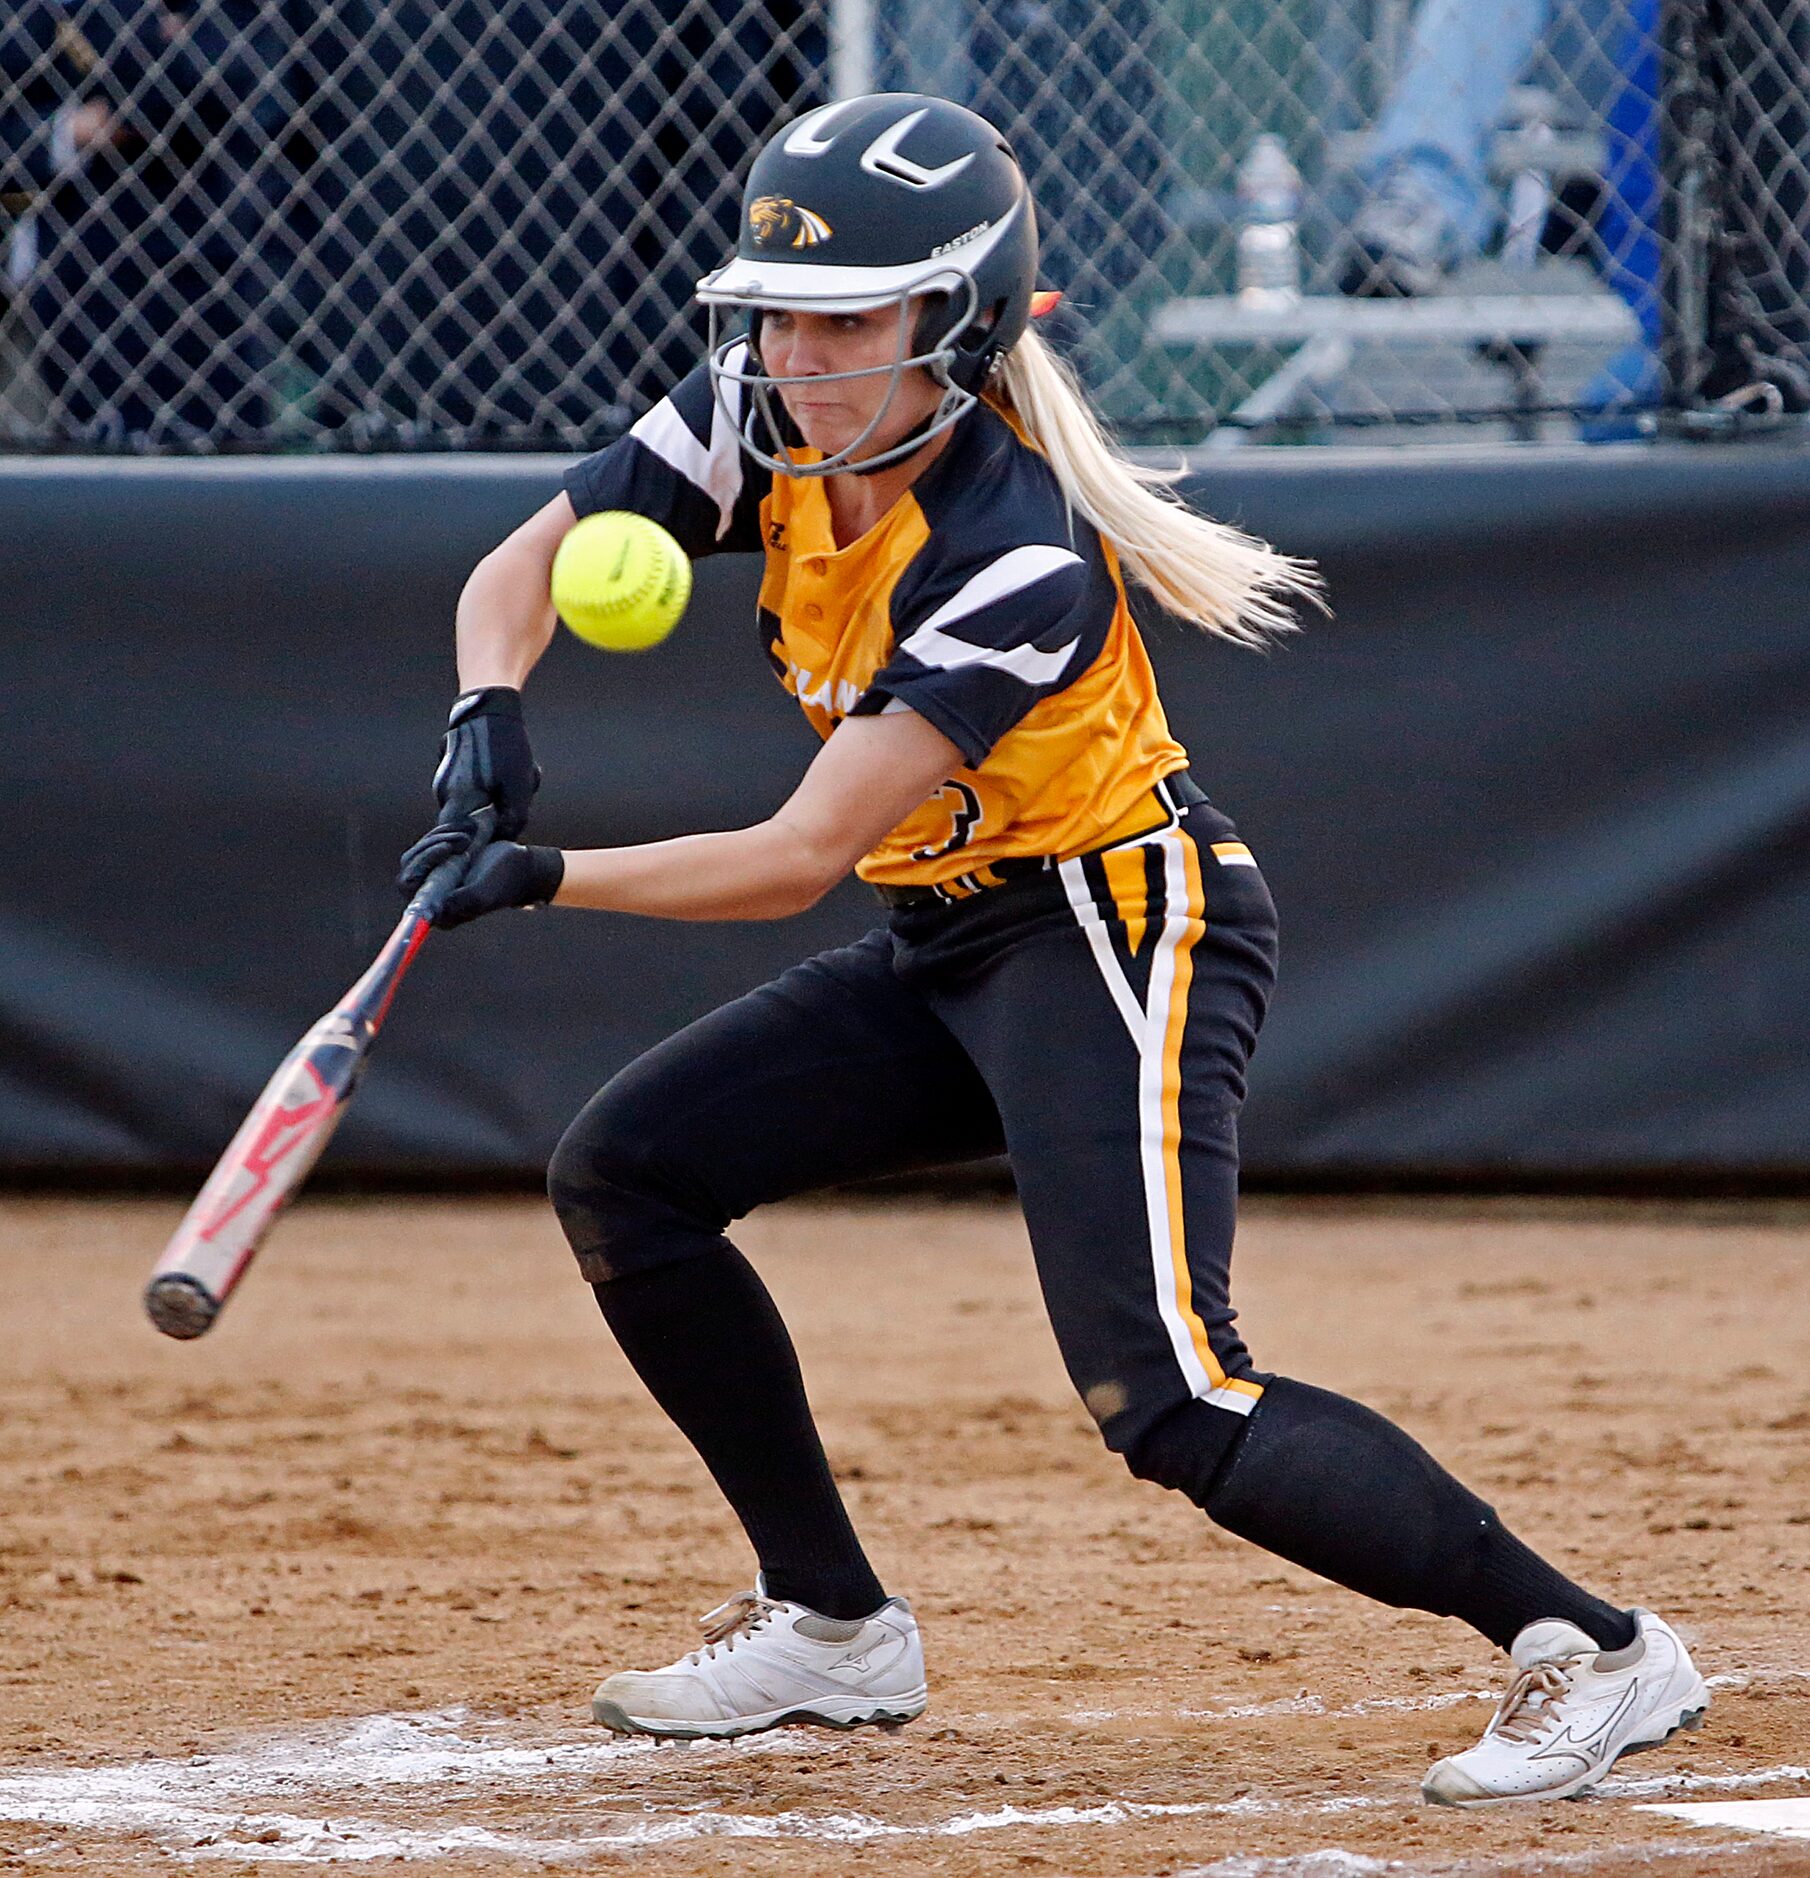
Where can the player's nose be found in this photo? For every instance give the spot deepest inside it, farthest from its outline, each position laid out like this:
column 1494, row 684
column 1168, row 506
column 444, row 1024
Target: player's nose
column 807, row 349
column 801, row 359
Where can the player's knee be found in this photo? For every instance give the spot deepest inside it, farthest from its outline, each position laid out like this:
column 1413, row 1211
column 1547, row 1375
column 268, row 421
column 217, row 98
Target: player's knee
column 1182, row 1449
column 621, row 1202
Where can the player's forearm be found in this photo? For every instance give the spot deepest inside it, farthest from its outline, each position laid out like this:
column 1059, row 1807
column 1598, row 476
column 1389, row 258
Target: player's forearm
column 505, row 619
column 768, row 871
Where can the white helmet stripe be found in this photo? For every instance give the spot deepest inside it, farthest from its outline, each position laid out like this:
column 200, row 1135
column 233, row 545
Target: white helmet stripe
column 882, row 158
column 802, row 139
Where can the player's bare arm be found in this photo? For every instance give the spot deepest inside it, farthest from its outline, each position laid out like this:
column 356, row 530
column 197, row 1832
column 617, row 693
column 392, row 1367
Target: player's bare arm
column 870, row 774
column 867, row 778
column 505, row 618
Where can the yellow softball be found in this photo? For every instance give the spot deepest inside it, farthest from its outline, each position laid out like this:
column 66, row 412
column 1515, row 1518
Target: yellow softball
column 620, row 581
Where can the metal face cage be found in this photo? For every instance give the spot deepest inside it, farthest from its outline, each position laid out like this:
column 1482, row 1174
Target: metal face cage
column 735, row 323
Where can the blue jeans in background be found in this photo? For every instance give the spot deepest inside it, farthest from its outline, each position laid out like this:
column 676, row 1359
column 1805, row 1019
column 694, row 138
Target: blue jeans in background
column 1601, row 59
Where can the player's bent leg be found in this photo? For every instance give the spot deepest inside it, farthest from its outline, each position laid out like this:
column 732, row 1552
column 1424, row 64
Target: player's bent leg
column 765, row 1662
column 831, row 1073
column 1128, row 1173
column 1331, row 1486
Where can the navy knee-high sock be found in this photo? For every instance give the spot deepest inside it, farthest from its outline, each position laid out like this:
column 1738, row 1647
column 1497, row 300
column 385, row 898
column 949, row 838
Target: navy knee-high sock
column 707, row 1339
column 1326, row 1483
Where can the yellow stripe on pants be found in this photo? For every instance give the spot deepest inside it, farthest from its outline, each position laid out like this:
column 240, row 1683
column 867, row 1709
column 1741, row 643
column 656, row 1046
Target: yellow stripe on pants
column 1130, row 890
column 1193, row 914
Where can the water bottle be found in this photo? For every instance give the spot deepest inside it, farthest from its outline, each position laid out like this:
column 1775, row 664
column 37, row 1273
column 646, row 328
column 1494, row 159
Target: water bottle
column 1269, row 225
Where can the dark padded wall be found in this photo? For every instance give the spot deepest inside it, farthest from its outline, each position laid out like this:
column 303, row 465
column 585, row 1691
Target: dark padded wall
column 1534, row 806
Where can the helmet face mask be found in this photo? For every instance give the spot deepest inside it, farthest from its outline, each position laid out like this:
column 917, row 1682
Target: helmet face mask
column 893, row 201
column 736, row 323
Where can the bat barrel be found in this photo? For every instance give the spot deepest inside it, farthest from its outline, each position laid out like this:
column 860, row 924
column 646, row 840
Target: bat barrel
column 180, row 1306
column 289, row 1125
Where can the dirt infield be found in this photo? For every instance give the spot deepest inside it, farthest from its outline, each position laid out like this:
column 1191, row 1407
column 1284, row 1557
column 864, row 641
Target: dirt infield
column 335, row 1584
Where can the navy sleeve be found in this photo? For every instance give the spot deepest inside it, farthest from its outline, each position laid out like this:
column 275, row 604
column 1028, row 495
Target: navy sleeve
column 980, row 641
column 682, row 467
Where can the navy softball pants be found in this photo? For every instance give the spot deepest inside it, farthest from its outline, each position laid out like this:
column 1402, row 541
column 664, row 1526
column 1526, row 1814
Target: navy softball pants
column 1092, row 1021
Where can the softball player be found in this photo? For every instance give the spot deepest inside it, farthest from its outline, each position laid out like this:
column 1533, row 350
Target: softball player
column 1076, row 958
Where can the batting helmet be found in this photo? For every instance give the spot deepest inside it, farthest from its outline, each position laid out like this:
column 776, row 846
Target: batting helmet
column 874, row 202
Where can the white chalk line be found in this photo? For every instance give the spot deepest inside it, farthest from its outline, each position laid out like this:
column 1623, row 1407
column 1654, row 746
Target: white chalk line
column 1330, row 1861
column 377, row 1751
column 1369, row 1705
column 244, row 1803
column 215, row 1797
column 1781, row 1818
column 1302, row 1704
column 363, row 1840
column 1625, row 1786
column 1750, row 1678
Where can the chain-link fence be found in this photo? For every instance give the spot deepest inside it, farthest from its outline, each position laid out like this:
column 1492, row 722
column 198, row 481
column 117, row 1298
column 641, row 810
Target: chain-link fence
column 1738, row 265
column 379, row 224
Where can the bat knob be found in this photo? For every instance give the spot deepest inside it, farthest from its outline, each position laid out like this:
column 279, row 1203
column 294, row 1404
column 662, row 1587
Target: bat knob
column 180, row 1306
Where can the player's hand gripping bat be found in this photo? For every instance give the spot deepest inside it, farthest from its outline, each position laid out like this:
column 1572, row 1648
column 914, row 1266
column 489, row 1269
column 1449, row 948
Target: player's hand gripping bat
column 289, row 1125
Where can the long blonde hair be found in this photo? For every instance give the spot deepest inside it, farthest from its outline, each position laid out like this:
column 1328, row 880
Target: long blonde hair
column 1207, row 572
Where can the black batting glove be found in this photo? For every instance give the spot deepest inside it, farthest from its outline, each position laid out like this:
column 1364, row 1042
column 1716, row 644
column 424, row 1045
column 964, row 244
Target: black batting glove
column 505, row 874
column 440, row 843
column 484, row 761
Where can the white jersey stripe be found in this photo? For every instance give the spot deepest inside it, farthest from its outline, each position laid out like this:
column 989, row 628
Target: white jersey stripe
column 1012, row 573
column 714, row 467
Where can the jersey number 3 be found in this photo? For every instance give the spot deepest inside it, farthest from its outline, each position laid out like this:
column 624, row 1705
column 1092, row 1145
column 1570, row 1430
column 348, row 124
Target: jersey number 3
column 965, row 813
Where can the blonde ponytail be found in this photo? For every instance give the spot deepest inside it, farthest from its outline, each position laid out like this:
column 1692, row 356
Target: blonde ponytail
column 1211, row 574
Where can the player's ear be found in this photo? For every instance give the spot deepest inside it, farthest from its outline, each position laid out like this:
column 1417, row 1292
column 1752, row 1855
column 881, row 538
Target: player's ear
column 754, row 319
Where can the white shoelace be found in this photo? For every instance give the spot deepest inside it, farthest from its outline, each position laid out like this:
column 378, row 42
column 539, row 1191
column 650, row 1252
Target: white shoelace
column 736, row 1618
column 1531, row 1705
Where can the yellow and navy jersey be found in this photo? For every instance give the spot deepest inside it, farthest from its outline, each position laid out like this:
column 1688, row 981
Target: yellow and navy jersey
column 979, row 600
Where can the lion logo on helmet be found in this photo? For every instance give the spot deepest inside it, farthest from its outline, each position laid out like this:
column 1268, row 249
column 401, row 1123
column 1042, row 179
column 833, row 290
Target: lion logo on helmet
column 777, row 219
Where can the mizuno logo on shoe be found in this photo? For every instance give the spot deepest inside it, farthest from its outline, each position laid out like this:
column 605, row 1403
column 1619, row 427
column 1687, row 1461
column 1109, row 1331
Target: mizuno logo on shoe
column 862, row 1661
column 1587, row 1746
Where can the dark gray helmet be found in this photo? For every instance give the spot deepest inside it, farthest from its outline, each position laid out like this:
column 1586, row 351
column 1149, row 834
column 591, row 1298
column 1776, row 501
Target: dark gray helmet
column 870, row 202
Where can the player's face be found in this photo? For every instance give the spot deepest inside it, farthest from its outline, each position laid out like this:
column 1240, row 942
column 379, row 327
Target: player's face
column 832, row 415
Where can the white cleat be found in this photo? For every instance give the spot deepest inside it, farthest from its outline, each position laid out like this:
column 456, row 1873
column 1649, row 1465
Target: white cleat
column 1572, row 1712
column 764, row 1662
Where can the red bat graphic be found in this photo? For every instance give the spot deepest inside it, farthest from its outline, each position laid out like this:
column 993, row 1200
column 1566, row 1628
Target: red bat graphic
column 289, row 1124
